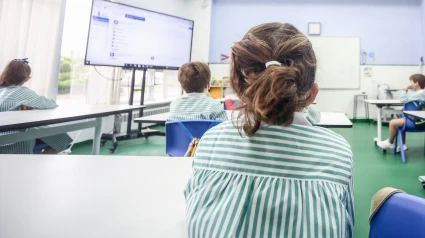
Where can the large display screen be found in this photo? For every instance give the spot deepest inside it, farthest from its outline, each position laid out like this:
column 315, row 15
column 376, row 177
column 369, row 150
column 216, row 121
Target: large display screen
column 125, row 36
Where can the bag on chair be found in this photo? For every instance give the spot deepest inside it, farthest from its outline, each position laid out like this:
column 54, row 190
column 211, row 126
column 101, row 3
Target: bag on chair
column 419, row 122
column 192, row 147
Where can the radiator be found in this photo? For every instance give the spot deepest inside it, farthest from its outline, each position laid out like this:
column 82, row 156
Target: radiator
column 120, row 124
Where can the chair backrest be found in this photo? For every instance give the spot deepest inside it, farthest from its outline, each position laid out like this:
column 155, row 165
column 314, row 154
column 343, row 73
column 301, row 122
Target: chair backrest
column 409, row 123
column 179, row 134
column 38, row 148
column 402, row 215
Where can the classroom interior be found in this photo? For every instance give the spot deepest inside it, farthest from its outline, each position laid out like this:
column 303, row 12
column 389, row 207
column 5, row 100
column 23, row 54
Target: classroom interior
column 380, row 44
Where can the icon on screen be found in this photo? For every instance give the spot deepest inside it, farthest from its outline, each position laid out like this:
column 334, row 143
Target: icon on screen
column 152, row 58
column 111, row 54
column 115, row 22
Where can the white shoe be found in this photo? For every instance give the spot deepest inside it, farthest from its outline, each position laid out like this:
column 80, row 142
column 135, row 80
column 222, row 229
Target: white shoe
column 385, row 144
column 404, row 146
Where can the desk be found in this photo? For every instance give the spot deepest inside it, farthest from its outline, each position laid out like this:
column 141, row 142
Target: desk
column 328, row 119
column 380, row 104
column 419, row 114
column 17, row 120
column 70, row 196
column 334, row 120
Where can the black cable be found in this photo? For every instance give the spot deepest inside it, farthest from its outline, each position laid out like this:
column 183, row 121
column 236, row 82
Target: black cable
column 106, row 77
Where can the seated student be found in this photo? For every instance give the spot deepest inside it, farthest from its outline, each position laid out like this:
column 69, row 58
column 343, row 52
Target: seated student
column 195, row 78
column 14, row 96
column 412, row 92
column 270, row 173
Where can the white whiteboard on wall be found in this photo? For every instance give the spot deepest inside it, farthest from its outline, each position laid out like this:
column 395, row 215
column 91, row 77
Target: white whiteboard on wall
column 338, row 62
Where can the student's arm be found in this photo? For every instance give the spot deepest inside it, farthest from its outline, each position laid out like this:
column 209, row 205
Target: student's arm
column 313, row 115
column 410, row 95
column 31, row 99
column 404, row 96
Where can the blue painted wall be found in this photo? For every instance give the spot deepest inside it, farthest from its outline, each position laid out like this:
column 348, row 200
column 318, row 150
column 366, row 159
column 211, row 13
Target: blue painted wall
column 423, row 27
column 392, row 29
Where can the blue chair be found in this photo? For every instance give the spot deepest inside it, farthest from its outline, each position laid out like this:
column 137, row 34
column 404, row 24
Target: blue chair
column 38, row 148
column 409, row 126
column 401, row 215
column 179, row 134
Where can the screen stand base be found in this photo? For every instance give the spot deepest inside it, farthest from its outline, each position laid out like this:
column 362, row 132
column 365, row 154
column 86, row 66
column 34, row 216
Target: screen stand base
column 141, row 131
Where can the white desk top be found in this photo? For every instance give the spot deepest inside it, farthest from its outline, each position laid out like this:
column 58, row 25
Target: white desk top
column 420, row 114
column 392, row 102
column 328, row 119
column 31, row 118
column 92, row 196
column 334, row 120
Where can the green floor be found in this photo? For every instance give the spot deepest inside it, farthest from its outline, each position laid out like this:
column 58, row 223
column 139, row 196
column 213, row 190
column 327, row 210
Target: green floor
column 372, row 169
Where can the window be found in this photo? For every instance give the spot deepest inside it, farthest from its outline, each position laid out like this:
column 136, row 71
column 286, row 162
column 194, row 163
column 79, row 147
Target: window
column 74, row 75
column 159, row 87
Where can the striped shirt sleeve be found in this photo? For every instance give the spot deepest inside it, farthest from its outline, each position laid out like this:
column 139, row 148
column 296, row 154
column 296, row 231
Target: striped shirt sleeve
column 29, row 98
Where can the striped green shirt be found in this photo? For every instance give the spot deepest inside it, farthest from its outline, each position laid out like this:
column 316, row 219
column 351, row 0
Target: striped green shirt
column 11, row 98
column 294, row 181
column 197, row 106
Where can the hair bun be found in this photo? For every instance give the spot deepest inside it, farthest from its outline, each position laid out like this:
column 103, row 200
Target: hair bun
column 272, row 92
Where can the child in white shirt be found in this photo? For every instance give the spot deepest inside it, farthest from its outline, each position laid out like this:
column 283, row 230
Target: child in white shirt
column 412, row 92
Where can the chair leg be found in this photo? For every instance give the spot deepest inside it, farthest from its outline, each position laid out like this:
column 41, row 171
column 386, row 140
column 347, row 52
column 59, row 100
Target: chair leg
column 367, row 111
column 424, row 147
column 401, row 144
column 355, row 109
column 395, row 142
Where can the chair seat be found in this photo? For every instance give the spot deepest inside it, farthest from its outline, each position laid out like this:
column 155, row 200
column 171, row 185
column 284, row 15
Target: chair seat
column 402, row 215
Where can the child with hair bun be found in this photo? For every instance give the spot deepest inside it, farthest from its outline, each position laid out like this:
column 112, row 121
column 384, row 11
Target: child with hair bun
column 269, row 172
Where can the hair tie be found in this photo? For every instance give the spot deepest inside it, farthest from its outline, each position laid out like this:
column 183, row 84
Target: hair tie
column 25, row 60
column 272, row 63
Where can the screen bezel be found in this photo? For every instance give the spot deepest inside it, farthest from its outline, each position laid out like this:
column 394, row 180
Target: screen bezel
column 146, row 66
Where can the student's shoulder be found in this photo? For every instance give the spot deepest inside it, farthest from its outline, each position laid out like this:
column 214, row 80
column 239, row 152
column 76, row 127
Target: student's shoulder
column 224, row 126
column 214, row 102
column 25, row 89
column 323, row 134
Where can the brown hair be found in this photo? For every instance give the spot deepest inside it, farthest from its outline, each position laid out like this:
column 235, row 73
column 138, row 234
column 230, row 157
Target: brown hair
column 194, row 77
column 272, row 94
column 418, row 78
column 15, row 73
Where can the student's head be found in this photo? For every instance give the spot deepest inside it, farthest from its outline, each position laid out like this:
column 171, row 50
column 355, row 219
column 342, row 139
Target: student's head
column 194, row 77
column 273, row 94
column 17, row 72
column 418, row 80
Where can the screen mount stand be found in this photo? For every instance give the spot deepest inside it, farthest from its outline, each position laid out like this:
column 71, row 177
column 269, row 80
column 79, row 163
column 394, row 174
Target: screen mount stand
column 114, row 137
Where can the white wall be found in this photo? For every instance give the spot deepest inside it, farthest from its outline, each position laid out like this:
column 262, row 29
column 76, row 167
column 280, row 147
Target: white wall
column 200, row 12
column 423, row 26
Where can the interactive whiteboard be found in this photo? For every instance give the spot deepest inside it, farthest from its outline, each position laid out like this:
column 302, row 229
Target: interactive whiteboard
column 338, row 62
